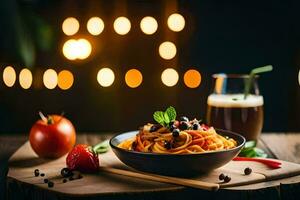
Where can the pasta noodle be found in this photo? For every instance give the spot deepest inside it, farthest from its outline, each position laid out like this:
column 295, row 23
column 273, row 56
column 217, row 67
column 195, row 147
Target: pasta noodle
column 205, row 139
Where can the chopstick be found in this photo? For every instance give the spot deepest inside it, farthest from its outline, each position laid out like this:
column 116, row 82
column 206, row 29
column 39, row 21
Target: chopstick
column 270, row 163
column 164, row 179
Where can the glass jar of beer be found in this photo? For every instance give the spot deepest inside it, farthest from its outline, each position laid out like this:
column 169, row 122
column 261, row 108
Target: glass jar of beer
column 229, row 108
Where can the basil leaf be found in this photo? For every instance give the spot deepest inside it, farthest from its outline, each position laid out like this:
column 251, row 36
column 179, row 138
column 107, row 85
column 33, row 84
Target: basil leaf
column 166, row 118
column 102, row 147
column 159, row 117
column 171, row 112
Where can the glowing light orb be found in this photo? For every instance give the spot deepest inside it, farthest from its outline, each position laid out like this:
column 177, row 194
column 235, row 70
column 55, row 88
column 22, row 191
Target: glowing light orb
column 169, row 77
column 176, row 22
column 192, row 78
column 84, row 49
column 299, row 77
column 25, row 78
column 70, row 50
column 9, row 76
column 133, row 78
column 65, row 79
column 167, row 50
column 77, row 49
column 50, row 78
column 122, row 25
column 148, row 25
column 95, row 25
column 70, row 26
column 105, row 77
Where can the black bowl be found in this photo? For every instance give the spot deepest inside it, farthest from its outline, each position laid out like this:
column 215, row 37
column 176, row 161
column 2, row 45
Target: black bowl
column 176, row 165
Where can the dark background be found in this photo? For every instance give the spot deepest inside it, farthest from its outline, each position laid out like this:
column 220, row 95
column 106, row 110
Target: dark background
column 219, row 36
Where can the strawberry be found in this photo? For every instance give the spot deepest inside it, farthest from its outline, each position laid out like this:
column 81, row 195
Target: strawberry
column 83, row 158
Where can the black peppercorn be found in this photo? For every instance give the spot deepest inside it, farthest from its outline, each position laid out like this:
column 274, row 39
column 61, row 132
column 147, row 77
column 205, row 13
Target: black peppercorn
column 221, row 177
column 36, row 172
column 71, row 178
column 64, row 180
column 227, row 179
column 65, row 172
column 247, row 171
column 42, row 174
column 46, row 180
column 50, row 184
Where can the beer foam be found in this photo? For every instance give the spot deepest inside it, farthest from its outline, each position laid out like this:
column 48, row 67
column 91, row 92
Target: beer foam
column 234, row 100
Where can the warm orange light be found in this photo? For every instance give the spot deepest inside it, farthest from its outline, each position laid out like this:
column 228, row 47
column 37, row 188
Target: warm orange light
column 105, row 77
column 25, row 78
column 133, row 78
column 50, row 78
column 176, row 22
column 9, row 76
column 169, row 77
column 95, row 25
column 192, row 78
column 148, row 25
column 70, row 26
column 122, row 25
column 65, row 79
column 77, row 49
column 167, row 50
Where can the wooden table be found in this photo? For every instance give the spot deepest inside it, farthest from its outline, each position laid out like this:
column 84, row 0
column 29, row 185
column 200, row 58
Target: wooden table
column 284, row 146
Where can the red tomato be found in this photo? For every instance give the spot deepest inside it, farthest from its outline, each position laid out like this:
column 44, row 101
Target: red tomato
column 52, row 137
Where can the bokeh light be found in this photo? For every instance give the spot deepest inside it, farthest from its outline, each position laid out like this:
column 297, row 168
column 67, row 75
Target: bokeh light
column 133, row 78
column 85, row 48
column 95, row 25
column 25, row 78
column 167, row 50
column 169, row 77
column 70, row 49
column 70, row 26
column 176, row 22
column 77, row 49
column 148, row 25
column 50, row 78
column 299, row 77
column 105, row 77
column 192, row 78
column 9, row 76
column 122, row 25
column 65, row 79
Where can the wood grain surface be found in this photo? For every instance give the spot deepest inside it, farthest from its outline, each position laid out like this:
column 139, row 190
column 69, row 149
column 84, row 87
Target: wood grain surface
column 287, row 188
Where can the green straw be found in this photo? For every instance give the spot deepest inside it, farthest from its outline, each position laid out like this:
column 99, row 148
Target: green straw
column 253, row 72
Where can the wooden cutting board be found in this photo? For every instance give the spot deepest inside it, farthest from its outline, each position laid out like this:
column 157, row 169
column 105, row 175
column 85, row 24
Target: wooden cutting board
column 24, row 161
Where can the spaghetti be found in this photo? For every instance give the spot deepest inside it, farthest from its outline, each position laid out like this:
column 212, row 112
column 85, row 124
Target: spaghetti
column 162, row 140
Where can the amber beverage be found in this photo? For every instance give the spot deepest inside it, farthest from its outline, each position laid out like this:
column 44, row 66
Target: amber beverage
column 229, row 109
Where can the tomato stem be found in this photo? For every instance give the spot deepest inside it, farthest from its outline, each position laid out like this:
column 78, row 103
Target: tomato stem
column 42, row 116
column 48, row 120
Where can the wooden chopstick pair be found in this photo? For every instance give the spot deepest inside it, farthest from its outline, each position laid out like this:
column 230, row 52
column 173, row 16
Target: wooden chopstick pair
column 164, row 179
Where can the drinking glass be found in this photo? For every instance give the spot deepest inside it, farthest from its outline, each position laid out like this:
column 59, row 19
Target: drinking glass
column 229, row 108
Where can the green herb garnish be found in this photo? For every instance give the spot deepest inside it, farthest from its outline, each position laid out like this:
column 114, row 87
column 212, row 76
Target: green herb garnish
column 102, row 147
column 164, row 118
column 253, row 72
column 250, row 150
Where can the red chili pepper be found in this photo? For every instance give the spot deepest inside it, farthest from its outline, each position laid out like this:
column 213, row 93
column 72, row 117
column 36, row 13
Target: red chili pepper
column 270, row 163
